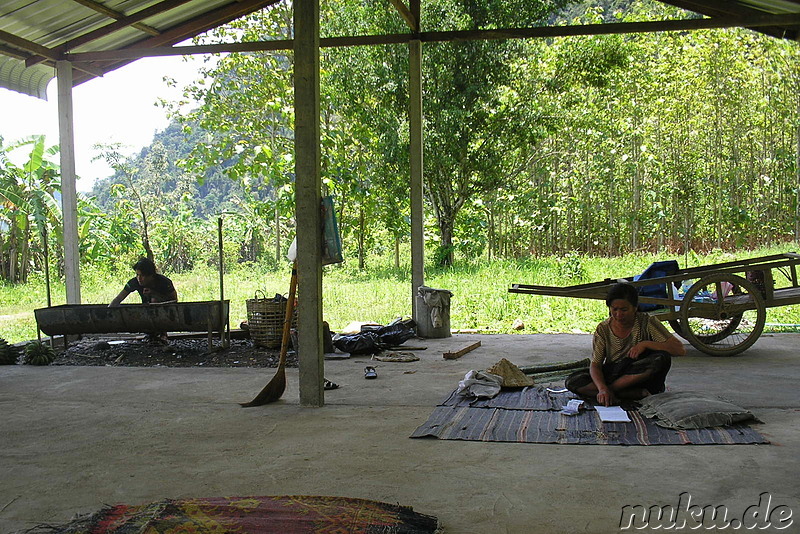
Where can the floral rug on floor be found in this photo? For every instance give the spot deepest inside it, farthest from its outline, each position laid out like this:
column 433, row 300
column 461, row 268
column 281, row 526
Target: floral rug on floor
column 293, row 514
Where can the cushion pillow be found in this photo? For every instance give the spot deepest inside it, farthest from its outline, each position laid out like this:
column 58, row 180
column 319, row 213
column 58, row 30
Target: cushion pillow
column 688, row 409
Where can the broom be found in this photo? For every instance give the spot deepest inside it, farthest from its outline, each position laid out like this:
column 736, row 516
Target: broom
column 275, row 388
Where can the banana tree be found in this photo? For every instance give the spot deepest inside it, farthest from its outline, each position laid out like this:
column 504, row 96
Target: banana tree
column 29, row 195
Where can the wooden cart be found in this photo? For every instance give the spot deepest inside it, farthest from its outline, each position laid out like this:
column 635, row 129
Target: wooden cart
column 720, row 309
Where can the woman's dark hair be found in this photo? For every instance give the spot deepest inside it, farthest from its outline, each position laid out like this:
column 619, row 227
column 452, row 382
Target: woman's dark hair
column 145, row 266
column 623, row 291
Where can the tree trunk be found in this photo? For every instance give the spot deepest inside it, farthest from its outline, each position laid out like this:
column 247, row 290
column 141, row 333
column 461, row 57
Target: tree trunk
column 490, row 231
column 146, row 239
column 446, row 223
column 277, row 235
column 797, row 177
column 12, row 264
column 361, row 228
column 24, row 257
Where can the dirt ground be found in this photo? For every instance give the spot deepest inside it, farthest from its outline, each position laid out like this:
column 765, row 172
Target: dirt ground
column 137, row 351
column 75, row 438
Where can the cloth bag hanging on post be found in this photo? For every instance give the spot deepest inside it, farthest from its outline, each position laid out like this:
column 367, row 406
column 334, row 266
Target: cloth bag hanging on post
column 331, row 239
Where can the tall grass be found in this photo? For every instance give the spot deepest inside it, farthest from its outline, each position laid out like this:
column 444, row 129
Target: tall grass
column 382, row 293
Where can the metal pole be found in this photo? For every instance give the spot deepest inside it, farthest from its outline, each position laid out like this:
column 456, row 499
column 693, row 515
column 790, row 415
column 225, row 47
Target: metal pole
column 223, row 321
column 46, row 281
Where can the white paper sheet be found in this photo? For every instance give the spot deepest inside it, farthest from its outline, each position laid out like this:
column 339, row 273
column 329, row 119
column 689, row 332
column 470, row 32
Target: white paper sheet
column 612, row 414
column 572, row 407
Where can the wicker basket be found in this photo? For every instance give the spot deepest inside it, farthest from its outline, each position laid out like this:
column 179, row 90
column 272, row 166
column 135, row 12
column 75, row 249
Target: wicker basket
column 265, row 320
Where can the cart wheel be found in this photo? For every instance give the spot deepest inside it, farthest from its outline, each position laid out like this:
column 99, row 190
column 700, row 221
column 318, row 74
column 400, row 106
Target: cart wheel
column 710, row 338
column 676, row 327
column 722, row 314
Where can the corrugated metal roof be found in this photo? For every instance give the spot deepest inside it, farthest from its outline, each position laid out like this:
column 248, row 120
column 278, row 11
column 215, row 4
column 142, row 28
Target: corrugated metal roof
column 36, row 33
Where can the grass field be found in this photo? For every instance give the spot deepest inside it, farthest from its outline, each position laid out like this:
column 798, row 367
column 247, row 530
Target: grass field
column 480, row 300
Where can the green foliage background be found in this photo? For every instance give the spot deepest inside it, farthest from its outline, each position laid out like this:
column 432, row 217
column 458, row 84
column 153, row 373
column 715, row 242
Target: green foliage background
column 546, row 160
column 481, row 300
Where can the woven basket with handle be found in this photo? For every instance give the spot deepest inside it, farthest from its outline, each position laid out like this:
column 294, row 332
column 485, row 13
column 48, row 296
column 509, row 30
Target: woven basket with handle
column 265, row 319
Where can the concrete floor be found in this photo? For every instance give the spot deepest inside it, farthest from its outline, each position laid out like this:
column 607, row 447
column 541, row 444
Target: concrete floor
column 75, row 438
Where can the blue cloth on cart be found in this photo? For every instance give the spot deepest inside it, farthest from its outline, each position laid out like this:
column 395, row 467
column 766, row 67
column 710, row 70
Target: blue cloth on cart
column 657, row 269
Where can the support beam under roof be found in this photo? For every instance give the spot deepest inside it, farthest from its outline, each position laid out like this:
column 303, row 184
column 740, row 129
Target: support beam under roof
column 792, row 20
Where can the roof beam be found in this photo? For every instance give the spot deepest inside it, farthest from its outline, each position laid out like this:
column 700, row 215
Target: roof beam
column 25, row 45
column 405, row 12
column 123, row 22
column 116, row 15
column 204, row 22
column 159, row 51
column 712, row 8
column 10, row 51
column 723, row 8
column 464, row 35
column 187, row 30
column 792, row 20
column 21, row 49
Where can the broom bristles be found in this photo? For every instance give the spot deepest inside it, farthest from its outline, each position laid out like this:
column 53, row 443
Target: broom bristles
column 271, row 392
column 275, row 388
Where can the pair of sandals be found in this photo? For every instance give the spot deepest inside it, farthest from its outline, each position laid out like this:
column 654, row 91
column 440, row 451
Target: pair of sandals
column 369, row 373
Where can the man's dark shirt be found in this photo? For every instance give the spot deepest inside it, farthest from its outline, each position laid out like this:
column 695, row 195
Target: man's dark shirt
column 160, row 289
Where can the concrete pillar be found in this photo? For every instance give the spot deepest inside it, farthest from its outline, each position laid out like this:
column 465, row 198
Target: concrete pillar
column 308, row 199
column 69, row 191
column 415, row 140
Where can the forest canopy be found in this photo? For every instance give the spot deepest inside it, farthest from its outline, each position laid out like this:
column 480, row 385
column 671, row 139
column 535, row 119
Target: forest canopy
column 601, row 145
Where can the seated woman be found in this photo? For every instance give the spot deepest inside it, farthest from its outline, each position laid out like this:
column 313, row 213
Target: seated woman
column 631, row 353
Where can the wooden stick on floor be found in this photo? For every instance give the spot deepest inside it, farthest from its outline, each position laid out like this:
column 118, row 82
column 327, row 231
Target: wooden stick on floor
column 460, row 353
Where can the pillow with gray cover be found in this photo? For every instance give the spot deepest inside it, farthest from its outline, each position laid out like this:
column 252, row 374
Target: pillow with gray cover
column 689, row 409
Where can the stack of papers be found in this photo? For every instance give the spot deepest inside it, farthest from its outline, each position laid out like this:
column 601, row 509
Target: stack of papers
column 572, row 407
column 612, row 414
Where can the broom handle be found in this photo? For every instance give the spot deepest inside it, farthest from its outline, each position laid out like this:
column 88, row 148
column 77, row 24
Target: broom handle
column 287, row 322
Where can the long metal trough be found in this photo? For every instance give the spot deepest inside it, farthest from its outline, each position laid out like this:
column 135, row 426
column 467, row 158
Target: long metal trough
column 70, row 319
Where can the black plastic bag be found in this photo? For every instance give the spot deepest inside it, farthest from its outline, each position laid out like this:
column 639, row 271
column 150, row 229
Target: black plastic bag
column 361, row 343
column 397, row 332
column 373, row 339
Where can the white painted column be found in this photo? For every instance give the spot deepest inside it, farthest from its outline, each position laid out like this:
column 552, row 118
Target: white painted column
column 308, row 199
column 69, row 192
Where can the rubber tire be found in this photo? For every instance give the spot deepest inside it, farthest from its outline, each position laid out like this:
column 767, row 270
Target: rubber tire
column 706, row 343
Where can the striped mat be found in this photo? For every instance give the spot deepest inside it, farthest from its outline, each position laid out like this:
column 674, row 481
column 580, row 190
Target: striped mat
column 455, row 418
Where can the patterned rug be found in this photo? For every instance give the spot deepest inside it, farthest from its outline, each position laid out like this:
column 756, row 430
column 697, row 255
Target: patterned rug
column 532, row 416
column 294, row 514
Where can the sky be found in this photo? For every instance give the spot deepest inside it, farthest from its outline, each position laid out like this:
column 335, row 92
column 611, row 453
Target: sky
column 117, row 108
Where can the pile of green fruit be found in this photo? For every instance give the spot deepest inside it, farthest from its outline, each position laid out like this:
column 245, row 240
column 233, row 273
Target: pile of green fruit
column 38, row 353
column 8, row 353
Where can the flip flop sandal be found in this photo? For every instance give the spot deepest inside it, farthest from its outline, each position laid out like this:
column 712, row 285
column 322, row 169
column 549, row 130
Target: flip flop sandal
column 369, row 372
column 330, row 385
